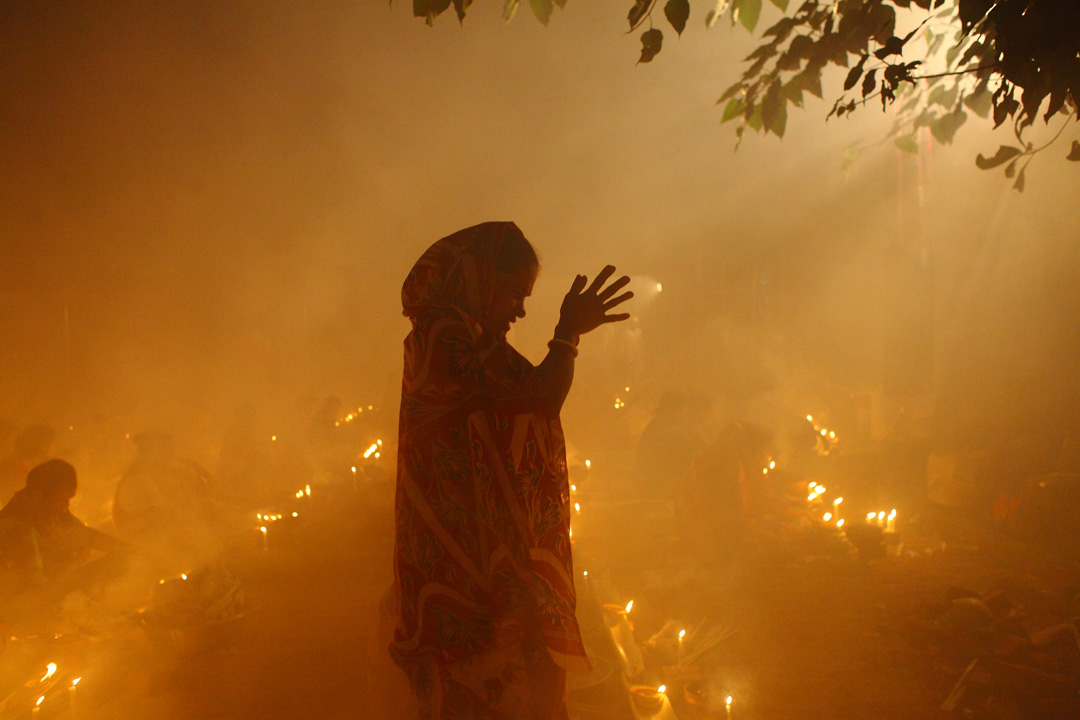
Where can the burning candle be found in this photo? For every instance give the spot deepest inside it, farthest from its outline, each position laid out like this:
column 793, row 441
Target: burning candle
column 727, row 707
column 71, row 697
column 891, row 527
column 37, row 708
column 881, row 519
column 682, row 634
column 266, row 545
column 646, row 698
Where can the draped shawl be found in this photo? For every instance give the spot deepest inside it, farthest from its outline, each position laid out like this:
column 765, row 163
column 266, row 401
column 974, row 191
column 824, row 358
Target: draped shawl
column 482, row 499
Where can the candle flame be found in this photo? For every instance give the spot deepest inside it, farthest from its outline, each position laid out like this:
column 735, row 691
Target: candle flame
column 823, row 431
column 772, row 464
column 765, row 471
column 881, row 515
column 832, row 435
column 50, row 671
column 629, row 605
column 370, row 450
column 837, row 501
column 39, row 701
column 577, row 507
column 813, row 485
column 588, row 463
column 871, row 516
column 585, row 573
column 728, row 701
column 75, row 681
column 840, row 522
column 307, row 490
column 827, row 517
column 263, row 529
column 273, row 438
column 682, row 634
column 892, row 514
column 662, row 689
column 353, row 468
column 296, row 514
column 809, row 418
column 183, row 576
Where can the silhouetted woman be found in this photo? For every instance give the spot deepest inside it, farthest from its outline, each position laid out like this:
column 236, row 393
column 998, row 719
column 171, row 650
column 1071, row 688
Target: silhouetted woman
column 482, row 565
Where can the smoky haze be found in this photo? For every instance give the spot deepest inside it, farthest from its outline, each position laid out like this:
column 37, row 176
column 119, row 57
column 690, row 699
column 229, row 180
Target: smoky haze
column 208, row 204
column 225, row 199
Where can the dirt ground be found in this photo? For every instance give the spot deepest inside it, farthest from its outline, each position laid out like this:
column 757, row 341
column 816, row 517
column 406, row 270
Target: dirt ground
column 814, row 635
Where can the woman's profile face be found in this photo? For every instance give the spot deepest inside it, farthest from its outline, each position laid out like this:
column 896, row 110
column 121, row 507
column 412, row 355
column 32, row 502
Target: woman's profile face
column 508, row 299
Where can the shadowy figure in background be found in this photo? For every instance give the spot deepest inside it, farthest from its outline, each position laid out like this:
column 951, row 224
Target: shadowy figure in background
column 31, row 447
column 164, row 505
column 486, row 624
column 726, row 496
column 41, row 542
column 667, row 446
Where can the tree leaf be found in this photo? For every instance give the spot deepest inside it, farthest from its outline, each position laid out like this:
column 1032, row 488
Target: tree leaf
column 510, row 9
column 809, row 80
column 782, row 4
column 461, row 6
column 542, row 10
column 1019, row 184
column 1074, row 154
column 907, row 144
column 651, row 42
column 771, row 105
column 779, row 123
column 1004, row 154
column 734, row 109
column 715, row 14
column 677, row 12
column 944, row 128
column 853, row 77
column 869, row 82
column 748, row 11
column 638, row 13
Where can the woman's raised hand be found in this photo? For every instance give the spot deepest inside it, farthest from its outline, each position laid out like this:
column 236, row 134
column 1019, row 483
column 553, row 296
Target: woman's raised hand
column 585, row 309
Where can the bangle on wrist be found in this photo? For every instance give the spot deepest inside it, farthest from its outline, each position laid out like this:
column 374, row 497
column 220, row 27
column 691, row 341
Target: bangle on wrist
column 566, row 336
column 560, row 341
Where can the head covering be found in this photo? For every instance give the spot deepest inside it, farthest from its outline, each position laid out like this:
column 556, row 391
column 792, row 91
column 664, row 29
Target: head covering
column 52, row 476
column 457, row 272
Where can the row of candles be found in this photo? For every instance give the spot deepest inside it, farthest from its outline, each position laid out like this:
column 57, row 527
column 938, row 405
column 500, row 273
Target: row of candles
column 45, row 684
column 646, row 697
column 886, row 522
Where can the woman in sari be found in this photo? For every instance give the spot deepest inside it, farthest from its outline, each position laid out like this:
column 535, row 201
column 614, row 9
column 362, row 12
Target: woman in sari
column 486, row 623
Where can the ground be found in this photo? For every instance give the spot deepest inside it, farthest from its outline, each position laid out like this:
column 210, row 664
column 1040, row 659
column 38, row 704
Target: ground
column 814, row 636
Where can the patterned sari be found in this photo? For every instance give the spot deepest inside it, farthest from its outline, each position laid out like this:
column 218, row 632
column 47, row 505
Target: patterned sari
column 482, row 565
